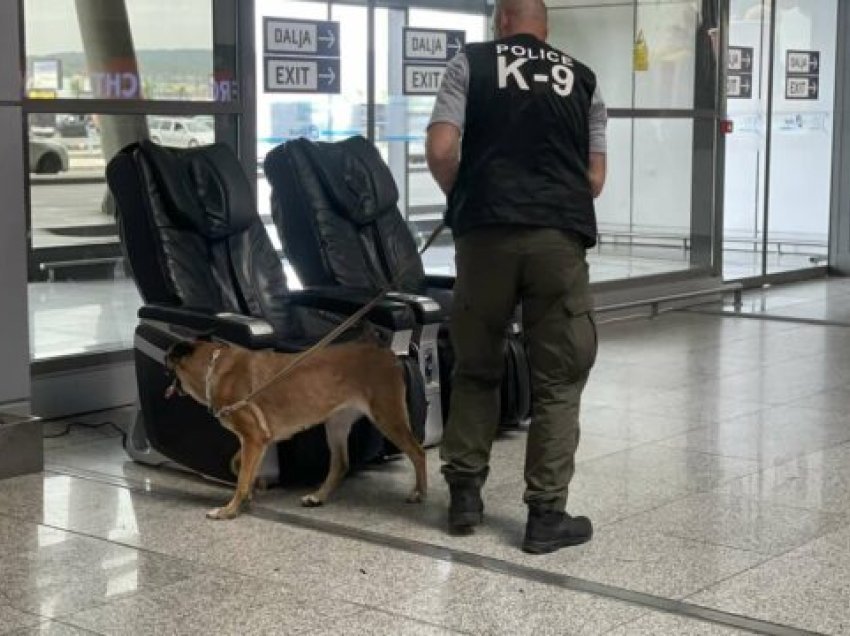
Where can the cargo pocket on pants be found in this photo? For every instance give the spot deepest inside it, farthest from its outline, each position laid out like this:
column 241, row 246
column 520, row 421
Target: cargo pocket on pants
column 582, row 341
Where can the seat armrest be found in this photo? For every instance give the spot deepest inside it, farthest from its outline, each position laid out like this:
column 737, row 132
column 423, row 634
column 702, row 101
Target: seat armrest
column 440, row 281
column 426, row 310
column 387, row 314
column 245, row 331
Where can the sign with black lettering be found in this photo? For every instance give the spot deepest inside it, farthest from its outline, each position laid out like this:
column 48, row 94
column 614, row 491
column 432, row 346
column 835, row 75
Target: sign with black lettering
column 312, row 38
column 739, row 80
column 739, row 86
column 802, row 87
column 432, row 45
column 803, row 62
column 423, row 79
column 427, row 53
column 301, row 56
column 740, row 59
column 802, row 75
column 300, row 75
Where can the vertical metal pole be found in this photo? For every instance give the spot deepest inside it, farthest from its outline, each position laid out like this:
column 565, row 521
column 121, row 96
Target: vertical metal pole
column 839, row 231
column 708, row 96
column 371, row 88
column 14, row 338
column 769, row 137
column 720, row 140
column 633, row 123
column 246, row 74
column 397, row 149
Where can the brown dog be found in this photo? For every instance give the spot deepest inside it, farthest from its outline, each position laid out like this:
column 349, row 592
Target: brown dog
column 337, row 386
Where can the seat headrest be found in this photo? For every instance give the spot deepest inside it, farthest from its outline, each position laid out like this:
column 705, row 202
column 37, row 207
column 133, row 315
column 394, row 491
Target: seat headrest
column 355, row 177
column 204, row 188
column 365, row 168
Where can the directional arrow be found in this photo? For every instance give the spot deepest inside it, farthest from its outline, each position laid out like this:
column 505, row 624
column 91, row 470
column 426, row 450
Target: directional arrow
column 746, row 61
column 746, row 86
column 329, row 38
column 329, row 77
column 813, row 88
column 814, row 63
column 455, row 45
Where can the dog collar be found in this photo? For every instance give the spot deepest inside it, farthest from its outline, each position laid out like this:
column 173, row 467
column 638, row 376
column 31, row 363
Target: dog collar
column 208, row 388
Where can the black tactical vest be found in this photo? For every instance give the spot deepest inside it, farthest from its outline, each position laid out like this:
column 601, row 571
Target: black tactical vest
column 526, row 146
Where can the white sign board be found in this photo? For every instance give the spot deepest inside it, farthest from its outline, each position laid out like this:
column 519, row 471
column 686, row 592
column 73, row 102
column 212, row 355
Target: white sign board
column 432, row 44
column 802, row 88
column 420, row 79
column 296, row 75
column 803, row 62
column 301, row 37
column 802, row 75
column 46, row 75
column 427, row 53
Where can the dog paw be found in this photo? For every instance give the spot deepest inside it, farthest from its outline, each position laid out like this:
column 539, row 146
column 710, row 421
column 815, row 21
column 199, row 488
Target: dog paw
column 416, row 497
column 311, row 501
column 222, row 514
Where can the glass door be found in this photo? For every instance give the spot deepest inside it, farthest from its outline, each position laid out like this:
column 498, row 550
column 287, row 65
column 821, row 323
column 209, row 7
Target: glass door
column 311, row 79
column 800, row 190
column 780, row 89
column 413, row 45
column 335, row 102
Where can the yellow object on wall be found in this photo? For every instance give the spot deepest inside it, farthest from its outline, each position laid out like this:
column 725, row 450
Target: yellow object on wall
column 641, row 54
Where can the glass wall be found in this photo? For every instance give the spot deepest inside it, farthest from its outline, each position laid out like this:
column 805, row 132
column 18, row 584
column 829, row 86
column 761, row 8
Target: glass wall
column 651, row 216
column 403, row 140
column 779, row 157
column 400, row 120
column 102, row 74
column 656, row 68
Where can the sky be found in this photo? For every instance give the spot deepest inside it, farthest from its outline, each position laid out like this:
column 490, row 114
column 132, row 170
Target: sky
column 52, row 25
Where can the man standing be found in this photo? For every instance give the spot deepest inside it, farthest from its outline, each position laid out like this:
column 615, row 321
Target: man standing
column 521, row 195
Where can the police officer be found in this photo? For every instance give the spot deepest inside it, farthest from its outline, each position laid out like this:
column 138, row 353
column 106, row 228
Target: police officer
column 521, row 186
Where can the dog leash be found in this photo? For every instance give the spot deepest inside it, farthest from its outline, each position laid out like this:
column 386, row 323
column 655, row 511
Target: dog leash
column 330, row 337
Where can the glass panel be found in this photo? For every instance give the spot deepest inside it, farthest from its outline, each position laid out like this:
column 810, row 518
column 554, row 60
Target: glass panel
column 746, row 146
column 81, row 299
column 802, row 135
column 669, row 31
column 145, row 56
column 800, row 162
column 282, row 116
column 601, row 37
column 645, row 55
column 402, row 141
column 644, row 214
column 607, row 37
column 424, row 194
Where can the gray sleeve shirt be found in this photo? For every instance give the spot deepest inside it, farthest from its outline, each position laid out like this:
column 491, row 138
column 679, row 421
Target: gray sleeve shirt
column 450, row 107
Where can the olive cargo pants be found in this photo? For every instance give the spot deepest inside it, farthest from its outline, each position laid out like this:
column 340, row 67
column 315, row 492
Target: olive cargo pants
column 545, row 271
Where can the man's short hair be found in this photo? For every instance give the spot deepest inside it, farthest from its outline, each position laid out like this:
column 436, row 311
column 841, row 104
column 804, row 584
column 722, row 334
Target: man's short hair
column 524, row 9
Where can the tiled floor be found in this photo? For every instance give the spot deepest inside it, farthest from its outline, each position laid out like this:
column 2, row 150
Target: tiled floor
column 715, row 463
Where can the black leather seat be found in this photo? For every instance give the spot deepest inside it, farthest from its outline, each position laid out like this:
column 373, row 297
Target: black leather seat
column 204, row 264
column 336, row 208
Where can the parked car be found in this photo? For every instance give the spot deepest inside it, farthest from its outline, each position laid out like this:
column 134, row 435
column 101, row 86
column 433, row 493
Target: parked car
column 74, row 126
column 181, row 133
column 48, row 157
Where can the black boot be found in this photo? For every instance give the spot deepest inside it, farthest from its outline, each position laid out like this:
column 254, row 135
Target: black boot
column 550, row 530
column 466, row 509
